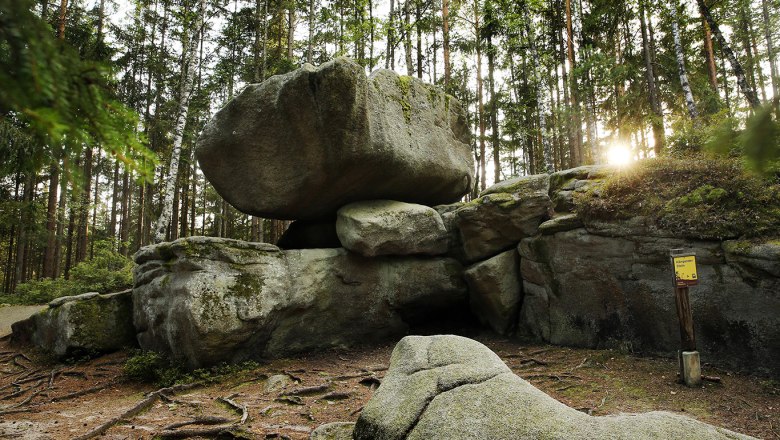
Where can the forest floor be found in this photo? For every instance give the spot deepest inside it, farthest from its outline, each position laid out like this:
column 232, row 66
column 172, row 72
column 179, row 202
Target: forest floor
column 288, row 398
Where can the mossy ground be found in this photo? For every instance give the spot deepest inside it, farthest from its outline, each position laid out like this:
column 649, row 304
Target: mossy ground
column 693, row 197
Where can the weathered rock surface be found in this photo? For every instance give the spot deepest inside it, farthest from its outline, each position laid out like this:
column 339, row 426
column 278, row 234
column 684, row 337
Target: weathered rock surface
column 333, row 431
column 388, row 227
column 449, row 387
column 495, row 291
column 611, row 285
column 303, row 144
column 503, row 215
column 207, row 300
column 89, row 323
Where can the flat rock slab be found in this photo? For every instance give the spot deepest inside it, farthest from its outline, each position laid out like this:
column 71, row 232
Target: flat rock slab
column 450, row 387
column 303, row 144
column 388, row 227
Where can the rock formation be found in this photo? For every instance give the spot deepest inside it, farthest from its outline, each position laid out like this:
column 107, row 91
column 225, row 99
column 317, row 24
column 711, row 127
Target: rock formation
column 450, row 387
column 304, row 144
column 208, row 300
column 84, row 324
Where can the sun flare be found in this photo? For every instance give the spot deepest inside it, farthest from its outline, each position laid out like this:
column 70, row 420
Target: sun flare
column 619, row 155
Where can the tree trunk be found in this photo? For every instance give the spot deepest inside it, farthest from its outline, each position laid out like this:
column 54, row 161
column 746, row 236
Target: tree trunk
column 657, row 118
column 736, row 67
column 576, row 158
column 543, row 139
column 390, row 55
column 310, row 43
column 51, row 223
column 770, row 48
column 712, row 71
column 686, row 86
column 114, row 195
column 188, row 74
column 62, row 20
column 445, row 26
column 480, row 98
column 124, row 229
column 290, row 32
column 417, row 24
column 95, row 204
column 60, row 227
column 408, row 39
column 494, row 135
column 83, row 218
column 21, row 239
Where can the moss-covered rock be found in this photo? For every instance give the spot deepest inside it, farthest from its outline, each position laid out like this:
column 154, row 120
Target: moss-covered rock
column 85, row 324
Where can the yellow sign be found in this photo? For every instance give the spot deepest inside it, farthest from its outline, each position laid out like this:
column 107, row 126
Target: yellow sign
column 685, row 270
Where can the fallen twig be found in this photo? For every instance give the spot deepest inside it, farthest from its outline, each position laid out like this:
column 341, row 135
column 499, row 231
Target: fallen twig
column 336, row 395
column 202, row 432
column 715, row 379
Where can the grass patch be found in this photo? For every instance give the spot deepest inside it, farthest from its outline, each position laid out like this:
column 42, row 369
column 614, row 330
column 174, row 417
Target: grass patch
column 691, row 197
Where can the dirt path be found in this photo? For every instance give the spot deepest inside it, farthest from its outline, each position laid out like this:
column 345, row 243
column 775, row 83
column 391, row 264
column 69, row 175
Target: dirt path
column 11, row 314
column 288, row 398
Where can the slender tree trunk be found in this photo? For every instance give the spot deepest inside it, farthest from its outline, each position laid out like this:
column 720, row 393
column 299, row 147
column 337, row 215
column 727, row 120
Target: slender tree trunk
column 390, row 55
column 51, row 223
column 82, row 236
column 114, row 195
column 494, row 135
column 124, row 229
column 576, row 158
column 417, row 24
column 770, row 48
column 480, row 98
column 95, row 204
column 712, row 71
column 265, row 40
column 686, row 86
column 408, row 39
column 60, row 227
column 188, row 74
column 21, row 240
column 62, row 19
column 566, row 98
column 371, row 34
column 290, row 32
column 736, row 67
column 445, row 26
column 754, row 44
column 45, row 10
column 657, row 118
column 310, row 43
column 543, row 137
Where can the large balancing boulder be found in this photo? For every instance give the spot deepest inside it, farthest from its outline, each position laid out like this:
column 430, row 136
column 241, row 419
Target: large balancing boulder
column 303, row 144
column 207, row 300
column 450, row 387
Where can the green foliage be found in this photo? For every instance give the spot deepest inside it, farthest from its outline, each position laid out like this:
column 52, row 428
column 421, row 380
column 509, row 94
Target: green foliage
column 59, row 100
column 107, row 272
column 758, row 143
column 152, row 367
column 691, row 197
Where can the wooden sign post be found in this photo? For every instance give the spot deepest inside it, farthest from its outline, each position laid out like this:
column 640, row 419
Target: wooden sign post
column 685, row 275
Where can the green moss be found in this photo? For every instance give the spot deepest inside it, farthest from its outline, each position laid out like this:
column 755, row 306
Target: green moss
column 247, row 285
column 405, row 85
column 692, row 197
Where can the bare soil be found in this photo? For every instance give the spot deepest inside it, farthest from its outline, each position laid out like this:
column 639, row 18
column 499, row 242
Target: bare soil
column 288, row 398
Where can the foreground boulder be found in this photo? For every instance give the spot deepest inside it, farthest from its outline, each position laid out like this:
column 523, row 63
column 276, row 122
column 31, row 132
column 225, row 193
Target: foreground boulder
column 449, row 387
column 388, row 227
column 303, row 144
column 84, row 324
column 208, row 300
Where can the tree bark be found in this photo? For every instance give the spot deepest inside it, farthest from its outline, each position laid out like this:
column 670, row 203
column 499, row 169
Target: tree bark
column 494, row 135
column 290, row 32
column 390, row 51
column 574, row 89
column 770, row 48
column 736, row 67
column 445, row 18
column 408, row 39
column 657, row 118
column 188, row 74
column 82, row 235
column 686, row 86
column 310, row 43
column 712, row 71
column 480, row 97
